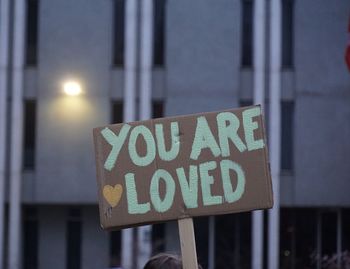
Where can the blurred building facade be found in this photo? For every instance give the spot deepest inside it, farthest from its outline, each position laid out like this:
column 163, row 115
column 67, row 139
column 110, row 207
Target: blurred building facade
column 202, row 61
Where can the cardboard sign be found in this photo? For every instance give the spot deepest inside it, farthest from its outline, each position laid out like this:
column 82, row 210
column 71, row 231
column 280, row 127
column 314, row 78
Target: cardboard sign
column 178, row 167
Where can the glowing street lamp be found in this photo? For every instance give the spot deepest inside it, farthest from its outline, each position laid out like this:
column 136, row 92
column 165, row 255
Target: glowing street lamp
column 72, row 88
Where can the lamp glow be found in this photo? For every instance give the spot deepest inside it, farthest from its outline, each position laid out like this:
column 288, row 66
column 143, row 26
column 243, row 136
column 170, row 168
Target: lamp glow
column 72, row 88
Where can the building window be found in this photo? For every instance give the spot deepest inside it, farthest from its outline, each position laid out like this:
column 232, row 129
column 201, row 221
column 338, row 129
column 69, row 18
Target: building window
column 201, row 226
column 117, row 111
column 247, row 102
column 310, row 238
column 29, row 134
column 287, row 33
column 32, row 32
column 30, row 238
column 115, row 249
column 73, row 239
column 345, row 248
column 158, row 238
column 118, row 27
column 298, row 237
column 157, row 109
column 247, row 33
column 233, row 241
column 287, row 141
column 159, row 32
column 329, row 233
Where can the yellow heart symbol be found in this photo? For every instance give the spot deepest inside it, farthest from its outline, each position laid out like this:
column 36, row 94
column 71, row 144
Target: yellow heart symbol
column 113, row 194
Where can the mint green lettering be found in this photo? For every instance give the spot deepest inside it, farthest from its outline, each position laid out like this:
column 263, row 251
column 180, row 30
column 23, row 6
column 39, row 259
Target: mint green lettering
column 203, row 139
column 116, row 141
column 228, row 125
column 175, row 145
column 250, row 126
column 206, row 182
column 230, row 195
column 162, row 205
column 189, row 188
column 131, row 194
column 150, row 146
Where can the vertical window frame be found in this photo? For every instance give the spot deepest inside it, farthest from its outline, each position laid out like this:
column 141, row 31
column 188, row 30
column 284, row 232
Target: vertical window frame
column 74, row 239
column 117, row 113
column 157, row 108
column 159, row 23
column 288, row 34
column 32, row 33
column 30, row 246
column 287, row 136
column 29, row 134
column 247, row 37
column 118, row 33
column 115, row 249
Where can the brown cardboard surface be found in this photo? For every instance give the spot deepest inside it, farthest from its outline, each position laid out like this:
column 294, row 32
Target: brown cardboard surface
column 115, row 199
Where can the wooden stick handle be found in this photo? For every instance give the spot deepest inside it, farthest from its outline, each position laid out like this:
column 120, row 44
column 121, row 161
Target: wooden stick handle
column 188, row 244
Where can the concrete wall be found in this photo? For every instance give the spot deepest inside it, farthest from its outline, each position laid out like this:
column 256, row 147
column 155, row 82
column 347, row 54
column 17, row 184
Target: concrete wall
column 202, row 73
column 75, row 42
column 322, row 104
